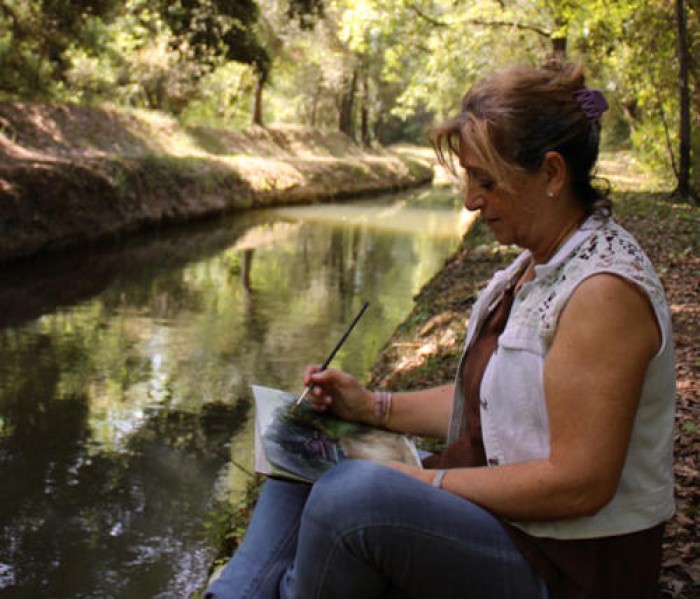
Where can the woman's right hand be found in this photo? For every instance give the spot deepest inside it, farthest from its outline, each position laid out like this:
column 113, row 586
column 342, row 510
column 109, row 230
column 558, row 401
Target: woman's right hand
column 339, row 393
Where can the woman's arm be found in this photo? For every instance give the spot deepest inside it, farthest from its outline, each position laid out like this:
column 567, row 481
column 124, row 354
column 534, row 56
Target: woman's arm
column 425, row 412
column 593, row 376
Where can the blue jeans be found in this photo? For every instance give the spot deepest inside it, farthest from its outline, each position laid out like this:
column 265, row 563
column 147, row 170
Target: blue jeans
column 364, row 530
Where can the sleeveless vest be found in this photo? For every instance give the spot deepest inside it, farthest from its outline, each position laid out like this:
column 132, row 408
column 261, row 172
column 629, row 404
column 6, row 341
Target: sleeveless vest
column 513, row 408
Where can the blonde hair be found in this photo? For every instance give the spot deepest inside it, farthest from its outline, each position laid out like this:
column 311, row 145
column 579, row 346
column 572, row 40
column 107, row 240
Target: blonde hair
column 510, row 120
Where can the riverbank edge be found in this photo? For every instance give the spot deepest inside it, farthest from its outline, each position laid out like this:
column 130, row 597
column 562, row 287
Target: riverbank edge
column 72, row 175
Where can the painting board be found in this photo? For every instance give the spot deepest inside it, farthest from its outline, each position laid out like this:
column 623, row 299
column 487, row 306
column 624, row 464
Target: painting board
column 301, row 445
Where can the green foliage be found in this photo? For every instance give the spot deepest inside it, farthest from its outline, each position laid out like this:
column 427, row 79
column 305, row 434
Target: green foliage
column 148, row 53
column 310, row 69
column 223, row 97
column 224, row 28
column 226, row 523
column 305, row 12
column 34, row 36
column 620, row 42
column 382, row 70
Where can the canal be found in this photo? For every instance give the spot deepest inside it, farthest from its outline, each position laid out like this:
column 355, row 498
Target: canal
column 125, row 375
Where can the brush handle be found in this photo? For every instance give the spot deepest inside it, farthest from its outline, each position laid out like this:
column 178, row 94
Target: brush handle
column 338, row 345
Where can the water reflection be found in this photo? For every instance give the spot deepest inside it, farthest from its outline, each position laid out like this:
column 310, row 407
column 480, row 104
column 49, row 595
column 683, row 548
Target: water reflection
column 125, row 376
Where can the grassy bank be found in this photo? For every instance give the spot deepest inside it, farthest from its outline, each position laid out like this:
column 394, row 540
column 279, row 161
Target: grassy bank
column 73, row 174
column 424, row 349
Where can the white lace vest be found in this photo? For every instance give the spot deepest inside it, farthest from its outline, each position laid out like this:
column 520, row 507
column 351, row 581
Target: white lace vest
column 513, row 408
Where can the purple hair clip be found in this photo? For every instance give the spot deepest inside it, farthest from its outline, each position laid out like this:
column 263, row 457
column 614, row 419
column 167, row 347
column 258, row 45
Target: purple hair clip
column 592, row 102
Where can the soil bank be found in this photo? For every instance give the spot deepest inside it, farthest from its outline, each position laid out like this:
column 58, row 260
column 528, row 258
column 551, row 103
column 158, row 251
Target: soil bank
column 73, row 174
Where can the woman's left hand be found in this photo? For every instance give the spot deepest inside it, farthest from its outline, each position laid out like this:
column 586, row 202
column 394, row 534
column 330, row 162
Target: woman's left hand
column 425, row 475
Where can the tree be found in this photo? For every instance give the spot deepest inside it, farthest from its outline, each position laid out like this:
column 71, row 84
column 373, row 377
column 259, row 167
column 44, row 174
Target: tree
column 313, row 66
column 639, row 52
column 222, row 29
column 346, row 111
column 683, row 174
column 34, row 35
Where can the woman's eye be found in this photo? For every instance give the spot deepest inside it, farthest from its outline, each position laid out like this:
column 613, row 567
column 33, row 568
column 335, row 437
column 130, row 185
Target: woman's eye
column 480, row 179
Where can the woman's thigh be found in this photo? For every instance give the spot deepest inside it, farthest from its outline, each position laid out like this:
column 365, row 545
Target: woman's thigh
column 368, row 530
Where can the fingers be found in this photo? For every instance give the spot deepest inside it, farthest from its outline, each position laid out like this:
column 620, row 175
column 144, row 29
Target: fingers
column 320, row 404
column 325, row 390
column 309, row 371
column 329, row 380
column 321, row 383
column 328, row 387
column 337, row 392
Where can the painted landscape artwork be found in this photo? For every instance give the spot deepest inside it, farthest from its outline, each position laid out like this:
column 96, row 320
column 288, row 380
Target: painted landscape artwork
column 302, row 444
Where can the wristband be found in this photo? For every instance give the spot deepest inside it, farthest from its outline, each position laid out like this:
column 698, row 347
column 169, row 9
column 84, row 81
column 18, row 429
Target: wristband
column 382, row 407
column 439, row 475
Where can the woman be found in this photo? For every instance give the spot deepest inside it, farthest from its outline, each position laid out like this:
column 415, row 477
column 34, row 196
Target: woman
column 557, row 473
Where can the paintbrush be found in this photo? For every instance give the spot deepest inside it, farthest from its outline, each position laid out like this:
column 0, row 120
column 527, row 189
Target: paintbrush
column 306, row 391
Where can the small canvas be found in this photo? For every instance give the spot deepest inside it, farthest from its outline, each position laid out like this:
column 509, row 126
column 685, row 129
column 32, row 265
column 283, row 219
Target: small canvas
column 302, row 444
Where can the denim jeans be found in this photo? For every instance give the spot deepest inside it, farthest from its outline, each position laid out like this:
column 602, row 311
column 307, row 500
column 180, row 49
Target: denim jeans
column 364, row 530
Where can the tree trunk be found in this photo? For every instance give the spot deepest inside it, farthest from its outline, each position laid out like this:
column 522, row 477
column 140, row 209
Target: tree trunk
column 559, row 37
column 314, row 104
column 346, row 122
column 559, row 48
column 364, row 113
column 257, row 102
column 379, row 127
column 683, row 188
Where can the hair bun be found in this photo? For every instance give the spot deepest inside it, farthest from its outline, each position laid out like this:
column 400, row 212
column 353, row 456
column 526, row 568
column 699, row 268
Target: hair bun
column 569, row 72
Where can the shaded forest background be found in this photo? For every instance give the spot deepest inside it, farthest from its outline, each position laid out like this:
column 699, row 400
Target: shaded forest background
column 379, row 70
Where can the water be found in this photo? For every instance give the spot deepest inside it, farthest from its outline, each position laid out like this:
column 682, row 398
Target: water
column 125, row 375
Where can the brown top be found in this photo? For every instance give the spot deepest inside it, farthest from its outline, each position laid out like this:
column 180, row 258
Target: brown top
column 620, row 567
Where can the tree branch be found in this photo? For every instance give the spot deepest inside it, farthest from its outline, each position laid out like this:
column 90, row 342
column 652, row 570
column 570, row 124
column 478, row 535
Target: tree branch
column 514, row 24
column 484, row 23
column 432, row 20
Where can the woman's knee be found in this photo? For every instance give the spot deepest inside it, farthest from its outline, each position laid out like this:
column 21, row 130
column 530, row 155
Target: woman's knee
column 353, row 487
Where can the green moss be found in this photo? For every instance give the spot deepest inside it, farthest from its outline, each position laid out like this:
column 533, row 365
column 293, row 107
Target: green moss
column 226, row 523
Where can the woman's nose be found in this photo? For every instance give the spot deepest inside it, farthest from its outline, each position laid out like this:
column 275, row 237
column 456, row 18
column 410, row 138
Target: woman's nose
column 473, row 199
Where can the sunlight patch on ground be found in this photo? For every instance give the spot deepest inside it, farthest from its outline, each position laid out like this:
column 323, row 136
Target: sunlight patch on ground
column 267, row 173
column 414, row 355
column 625, row 173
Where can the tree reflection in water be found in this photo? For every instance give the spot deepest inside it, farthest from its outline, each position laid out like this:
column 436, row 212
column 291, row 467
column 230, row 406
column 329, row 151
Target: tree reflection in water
column 125, row 378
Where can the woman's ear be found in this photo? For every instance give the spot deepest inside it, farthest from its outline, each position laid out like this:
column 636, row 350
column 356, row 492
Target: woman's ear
column 555, row 171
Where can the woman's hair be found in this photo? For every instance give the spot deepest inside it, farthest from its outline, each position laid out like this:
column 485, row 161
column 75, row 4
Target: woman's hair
column 510, row 120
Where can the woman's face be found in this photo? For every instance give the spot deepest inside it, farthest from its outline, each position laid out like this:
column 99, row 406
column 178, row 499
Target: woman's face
column 512, row 215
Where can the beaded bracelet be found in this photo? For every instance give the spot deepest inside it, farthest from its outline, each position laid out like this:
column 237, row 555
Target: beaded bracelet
column 382, row 407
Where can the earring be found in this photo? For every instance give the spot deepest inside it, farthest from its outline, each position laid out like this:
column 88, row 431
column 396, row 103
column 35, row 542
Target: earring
column 550, row 194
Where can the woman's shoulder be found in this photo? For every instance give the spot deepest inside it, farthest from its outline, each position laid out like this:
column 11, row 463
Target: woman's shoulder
column 606, row 248
column 610, row 248
column 608, row 243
